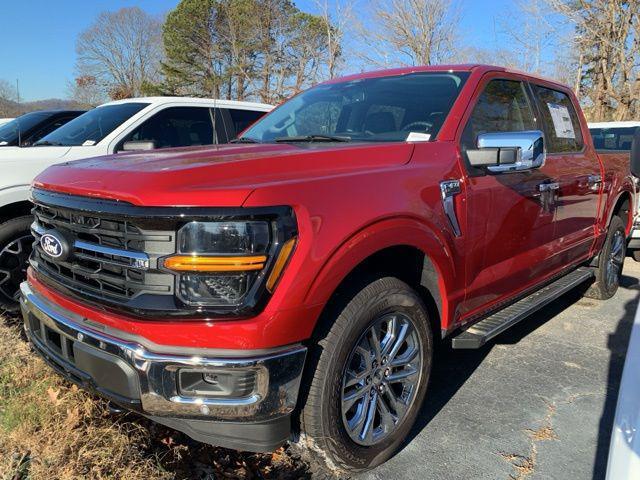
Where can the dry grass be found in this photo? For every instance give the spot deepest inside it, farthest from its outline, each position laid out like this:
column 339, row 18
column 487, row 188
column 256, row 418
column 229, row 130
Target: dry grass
column 50, row 429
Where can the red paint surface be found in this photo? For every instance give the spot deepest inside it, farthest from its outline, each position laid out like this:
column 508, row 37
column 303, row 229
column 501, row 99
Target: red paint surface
column 352, row 200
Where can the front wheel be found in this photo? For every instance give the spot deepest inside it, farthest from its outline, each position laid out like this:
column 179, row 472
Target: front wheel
column 610, row 262
column 371, row 375
column 15, row 247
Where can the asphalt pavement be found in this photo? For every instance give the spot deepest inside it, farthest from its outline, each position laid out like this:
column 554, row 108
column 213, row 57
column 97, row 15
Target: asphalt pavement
column 536, row 403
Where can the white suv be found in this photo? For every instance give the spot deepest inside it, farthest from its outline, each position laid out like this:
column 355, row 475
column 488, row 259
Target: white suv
column 132, row 124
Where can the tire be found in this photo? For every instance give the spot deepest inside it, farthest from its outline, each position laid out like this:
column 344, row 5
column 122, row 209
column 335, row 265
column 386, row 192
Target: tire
column 610, row 262
column 15, row 247
column 325, row 440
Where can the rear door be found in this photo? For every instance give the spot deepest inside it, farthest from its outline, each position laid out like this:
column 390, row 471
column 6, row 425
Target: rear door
column 577, row 174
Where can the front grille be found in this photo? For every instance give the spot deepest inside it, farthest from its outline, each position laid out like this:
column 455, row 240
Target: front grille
column 114, row 259
column 115, row 252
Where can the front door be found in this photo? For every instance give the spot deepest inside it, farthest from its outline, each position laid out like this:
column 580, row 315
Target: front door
column 510, row 221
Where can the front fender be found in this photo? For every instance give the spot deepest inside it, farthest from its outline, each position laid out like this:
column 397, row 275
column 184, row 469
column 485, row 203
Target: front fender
column 14, row 194
column 393, row 232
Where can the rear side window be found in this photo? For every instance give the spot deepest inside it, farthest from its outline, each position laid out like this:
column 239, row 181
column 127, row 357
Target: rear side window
column 241, row 119
column 503, row 106
column 176, row 127
column 560, row 119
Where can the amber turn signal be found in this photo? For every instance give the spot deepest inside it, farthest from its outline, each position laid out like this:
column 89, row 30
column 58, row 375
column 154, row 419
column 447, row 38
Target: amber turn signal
column 194, row 263
column 281, row 261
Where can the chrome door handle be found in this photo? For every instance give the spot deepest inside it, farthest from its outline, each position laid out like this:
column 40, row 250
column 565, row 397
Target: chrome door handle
column 547, row 187
column 449, row 189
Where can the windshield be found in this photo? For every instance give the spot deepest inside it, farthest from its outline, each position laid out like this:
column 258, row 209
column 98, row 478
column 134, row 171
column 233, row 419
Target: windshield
column 9, row 131
column 91, row 127
column 383, row 109
column 618, row 138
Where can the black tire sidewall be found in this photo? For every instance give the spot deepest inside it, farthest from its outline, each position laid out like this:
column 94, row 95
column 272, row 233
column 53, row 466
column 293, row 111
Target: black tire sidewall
column 609, row 291
column 11, row 230
column 354, row 456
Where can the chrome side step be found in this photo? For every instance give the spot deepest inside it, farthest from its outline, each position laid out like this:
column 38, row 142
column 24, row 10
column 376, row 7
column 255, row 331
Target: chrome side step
column 480, row 333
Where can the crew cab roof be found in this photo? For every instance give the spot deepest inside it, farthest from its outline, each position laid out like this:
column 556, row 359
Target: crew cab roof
column 464, row 67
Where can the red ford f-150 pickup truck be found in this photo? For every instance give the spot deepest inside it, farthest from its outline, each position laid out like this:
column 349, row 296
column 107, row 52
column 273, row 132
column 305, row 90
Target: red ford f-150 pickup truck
column 294, row 283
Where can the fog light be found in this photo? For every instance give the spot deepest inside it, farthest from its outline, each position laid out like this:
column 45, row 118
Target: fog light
column 211, row 383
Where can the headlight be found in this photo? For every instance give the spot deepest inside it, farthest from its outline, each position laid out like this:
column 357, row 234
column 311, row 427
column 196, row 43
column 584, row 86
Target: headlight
column 221, row 263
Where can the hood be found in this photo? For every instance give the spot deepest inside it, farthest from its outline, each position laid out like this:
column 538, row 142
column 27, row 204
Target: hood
column 220, row 176
column 28, row 153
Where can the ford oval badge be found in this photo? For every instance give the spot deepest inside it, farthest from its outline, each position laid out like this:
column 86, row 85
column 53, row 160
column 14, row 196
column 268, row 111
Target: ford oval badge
column 52, row 245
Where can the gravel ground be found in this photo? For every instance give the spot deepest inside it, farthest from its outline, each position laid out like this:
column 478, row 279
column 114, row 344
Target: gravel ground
column 537, row 403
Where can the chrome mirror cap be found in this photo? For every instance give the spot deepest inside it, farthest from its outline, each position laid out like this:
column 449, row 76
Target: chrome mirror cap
column 529, row 149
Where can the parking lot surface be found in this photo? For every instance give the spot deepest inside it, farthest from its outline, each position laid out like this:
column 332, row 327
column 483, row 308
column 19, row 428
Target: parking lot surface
column 536, row 403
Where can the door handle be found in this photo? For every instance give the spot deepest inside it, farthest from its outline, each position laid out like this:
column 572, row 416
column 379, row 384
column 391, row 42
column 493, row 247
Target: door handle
column 547, row 187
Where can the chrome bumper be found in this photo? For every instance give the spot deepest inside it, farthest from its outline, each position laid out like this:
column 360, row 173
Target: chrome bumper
column 147, row 381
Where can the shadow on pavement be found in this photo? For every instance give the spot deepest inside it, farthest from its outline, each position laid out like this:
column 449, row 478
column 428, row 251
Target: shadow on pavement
column 452, row 368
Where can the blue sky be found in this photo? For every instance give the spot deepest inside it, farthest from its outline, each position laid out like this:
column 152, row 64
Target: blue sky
column 38, row 36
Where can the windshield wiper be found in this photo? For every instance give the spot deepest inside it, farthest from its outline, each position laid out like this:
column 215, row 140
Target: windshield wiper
column 244, row 140
column 47, row 143
column 313, row 138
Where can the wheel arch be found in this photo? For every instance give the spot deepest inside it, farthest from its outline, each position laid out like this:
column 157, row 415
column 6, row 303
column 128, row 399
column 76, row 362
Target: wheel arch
column 623, row 207
column 16, row 209
column 422, row 260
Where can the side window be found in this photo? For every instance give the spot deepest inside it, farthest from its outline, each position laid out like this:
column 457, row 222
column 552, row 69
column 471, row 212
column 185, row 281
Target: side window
column 562, row 126
column 241, row 119
column 176, row 127
column 502, row 107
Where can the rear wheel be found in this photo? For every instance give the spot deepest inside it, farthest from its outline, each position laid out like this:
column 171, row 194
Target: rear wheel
column 15, row 247
column 371, row 374
column 610, row 262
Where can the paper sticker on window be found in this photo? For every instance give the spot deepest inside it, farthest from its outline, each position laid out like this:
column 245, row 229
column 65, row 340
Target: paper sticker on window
column 561, row 121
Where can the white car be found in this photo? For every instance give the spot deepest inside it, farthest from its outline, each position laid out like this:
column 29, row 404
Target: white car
column 624, row 450
column 132, row 124
column 5, row 120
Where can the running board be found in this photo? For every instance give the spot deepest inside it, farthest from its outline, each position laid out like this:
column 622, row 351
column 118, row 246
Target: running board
column 480, row 333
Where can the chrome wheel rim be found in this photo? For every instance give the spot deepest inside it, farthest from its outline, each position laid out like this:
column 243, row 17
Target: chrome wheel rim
column 616, row 259
column 14, row 260
column 381, row 379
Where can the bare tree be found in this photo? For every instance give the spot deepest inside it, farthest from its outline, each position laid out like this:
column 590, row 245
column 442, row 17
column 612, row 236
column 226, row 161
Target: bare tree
column 8, row 97
column 86, row 91
column 336, row 16
column 411, row 32
column 121, row 51
column 533, row 32
column 608, row 41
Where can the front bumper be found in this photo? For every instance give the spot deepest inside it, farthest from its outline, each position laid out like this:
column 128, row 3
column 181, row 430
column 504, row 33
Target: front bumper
column 128, row 373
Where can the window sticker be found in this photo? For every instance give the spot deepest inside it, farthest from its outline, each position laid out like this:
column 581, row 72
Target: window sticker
column 561, row 121
column 418, row 137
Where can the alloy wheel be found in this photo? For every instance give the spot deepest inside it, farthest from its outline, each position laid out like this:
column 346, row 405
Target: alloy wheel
column 616, row 258
column 381, row 378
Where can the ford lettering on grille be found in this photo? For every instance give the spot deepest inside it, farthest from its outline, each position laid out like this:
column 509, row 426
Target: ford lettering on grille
column 52, row 245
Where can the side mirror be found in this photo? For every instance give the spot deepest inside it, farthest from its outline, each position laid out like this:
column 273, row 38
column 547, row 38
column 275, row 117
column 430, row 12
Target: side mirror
column 634, row 159
column 509, row 151
column 137, row 145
